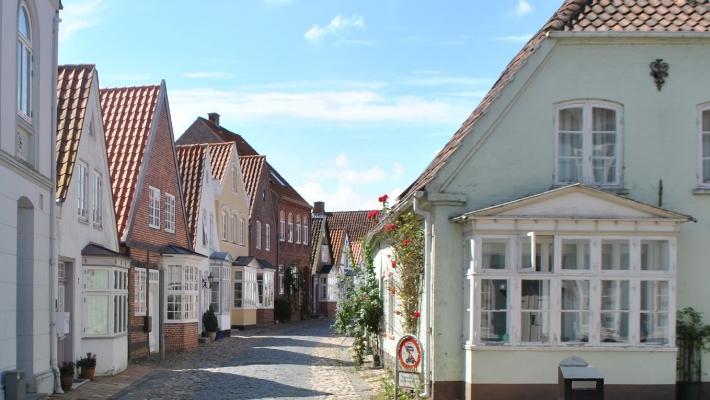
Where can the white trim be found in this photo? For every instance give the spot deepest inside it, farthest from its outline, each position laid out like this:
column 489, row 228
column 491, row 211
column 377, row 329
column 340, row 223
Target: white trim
column 153, row 205
column 169, row 213
column 702, row 108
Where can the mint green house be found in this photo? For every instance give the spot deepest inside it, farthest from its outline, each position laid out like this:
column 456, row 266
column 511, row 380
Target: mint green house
column 570, row 213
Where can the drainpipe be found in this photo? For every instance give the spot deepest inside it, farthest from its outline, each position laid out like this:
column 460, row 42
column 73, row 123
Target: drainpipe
column 416, row 204
column 53, row 226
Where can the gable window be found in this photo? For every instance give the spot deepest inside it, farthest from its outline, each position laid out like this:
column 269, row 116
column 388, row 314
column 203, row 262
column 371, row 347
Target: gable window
column 154, row 208
column 282, row 226
column 224, row 225
column 233, row 223
column 241, row 231
column 705, row 145
column 298, row 229
column 204, row 227
column 235, row 179
column 290, row 228
column 169, row 213
column 82, row 190
column 24, row 63
column 96, row 204
column 588, row 143
column 305, row 231
column 268, row 237
column 258, row 234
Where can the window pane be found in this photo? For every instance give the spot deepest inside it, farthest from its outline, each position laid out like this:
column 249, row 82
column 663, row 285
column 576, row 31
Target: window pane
column 544, row 253
column 571, row 144
column 575, row 254
column 706, row 151
column 654, row 255
column 654, row 312
column 603, row 119
column 535, row 304
column 96, row 315
column 494, row 305
column 615, row 254
column 615, row 311
column 575, row 311
column 494, row 252
column 97, row 279
column 23, row 25
column 706, row 120
column 571, row 119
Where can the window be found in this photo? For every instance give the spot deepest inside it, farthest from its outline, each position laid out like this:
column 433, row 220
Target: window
column 182, row 292
column 494, row 253
column 97, row 204
column 494, row 310
column 204, row 227
column 575, row 311
column 24, row 63
column 235, row 179
column 654, row 312
column 238, row 288
column 281, row 280
column 537, row 252
column 169, row 213
column 224, row 225
column 258, row 234
column 219, row 296
column 588, row 143
column 140, row 291
column 282, row 226
column 241, row 231
column 233, row 223
column 268, row 237
column 615, row 312
column 535, row 311
column 615, row 255
column 82, row 190
column 655, row 255
column 705, row 145
column 575, row 254
column 154, row 208
column 260, row 288
column 105, row 301
column 323, row 288
column 298, row 229
column 305, row 232
column 290, row 228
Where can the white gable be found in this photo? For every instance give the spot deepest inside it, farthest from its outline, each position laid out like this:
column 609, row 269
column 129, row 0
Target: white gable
column 578, row 205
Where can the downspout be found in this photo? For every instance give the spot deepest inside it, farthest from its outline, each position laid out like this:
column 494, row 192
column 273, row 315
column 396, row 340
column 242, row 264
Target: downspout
column 53, row 223
column 416, row 204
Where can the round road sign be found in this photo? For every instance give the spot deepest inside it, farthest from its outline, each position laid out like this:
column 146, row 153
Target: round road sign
column 409, row 352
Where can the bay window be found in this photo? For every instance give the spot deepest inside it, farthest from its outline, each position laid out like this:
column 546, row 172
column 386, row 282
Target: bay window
column 654, row 255
column 575, row 254
column 182, row 292
column 535, row 310
column 575, row 311
column 494, row 310
column 219, row 290
column 105, row 301
column 238, row 289
column 654, row 312
column 615, row 254
column 588, row 143
column 265, row 289
column 495, row 253
column 244, row 288
column 615, row 307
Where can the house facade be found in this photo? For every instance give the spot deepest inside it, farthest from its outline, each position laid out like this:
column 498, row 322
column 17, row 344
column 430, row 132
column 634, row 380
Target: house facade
column 92, row 295
column 554, row 226
column 151, row 219
column 28, row 50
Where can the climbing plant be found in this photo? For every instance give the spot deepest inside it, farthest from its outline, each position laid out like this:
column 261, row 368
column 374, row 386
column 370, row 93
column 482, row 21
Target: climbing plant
column 693, row 337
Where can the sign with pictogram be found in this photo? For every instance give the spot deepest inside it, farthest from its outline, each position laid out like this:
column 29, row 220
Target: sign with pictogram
column 409, row 352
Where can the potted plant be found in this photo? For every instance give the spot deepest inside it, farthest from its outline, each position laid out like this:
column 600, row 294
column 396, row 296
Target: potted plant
column 66, row 371
column 88, row 366
column 209, row 320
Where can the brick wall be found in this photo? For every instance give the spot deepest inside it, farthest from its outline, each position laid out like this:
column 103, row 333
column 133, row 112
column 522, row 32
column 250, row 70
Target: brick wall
column 297, row 254
column 264, row 316
column 181, row 337
column 263, row 210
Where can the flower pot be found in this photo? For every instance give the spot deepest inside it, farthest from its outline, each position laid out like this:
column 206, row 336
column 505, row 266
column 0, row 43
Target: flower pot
column 67, row 381
column 212, row 335
column 88, row 373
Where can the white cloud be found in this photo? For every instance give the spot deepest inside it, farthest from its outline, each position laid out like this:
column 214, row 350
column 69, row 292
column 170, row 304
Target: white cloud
column 346, row 186
column 514, row 38
column 338, row 24
column 78, row 16
column 523, row 8
column 206, row 74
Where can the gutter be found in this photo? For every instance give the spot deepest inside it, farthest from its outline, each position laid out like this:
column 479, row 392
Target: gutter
column 416, row 204
column 626, row 35
column 53, row 289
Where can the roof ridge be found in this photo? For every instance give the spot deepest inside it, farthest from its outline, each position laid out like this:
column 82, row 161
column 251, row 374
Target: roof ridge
column 129, row 87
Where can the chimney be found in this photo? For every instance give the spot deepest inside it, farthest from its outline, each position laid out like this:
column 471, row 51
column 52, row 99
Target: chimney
column 319, row 207
column 214, row 118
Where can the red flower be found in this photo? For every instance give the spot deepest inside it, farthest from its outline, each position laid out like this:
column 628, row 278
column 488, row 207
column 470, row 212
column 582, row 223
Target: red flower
column 394, row 263
column 390, row 227
column 383, row 198
column 398, row 312
column 373, row 214
column 406, row 242
column 417, row 314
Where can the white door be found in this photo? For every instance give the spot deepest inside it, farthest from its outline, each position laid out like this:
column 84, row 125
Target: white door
column 154, row 312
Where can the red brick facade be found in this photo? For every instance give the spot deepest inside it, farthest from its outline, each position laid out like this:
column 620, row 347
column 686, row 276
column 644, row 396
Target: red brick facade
column 264, row 316
column 181, row 337
column 295, row 254
column 263, row 211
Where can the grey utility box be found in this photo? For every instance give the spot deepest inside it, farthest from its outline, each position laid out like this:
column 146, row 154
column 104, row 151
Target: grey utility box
column 15, row 385
column 579, row 381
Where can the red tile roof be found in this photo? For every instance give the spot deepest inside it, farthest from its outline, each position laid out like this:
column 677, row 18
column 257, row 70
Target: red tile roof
column 127, row 113
column 191, row 162
column 356, row 223
column 73, row 88
column 337, row 242
column 317, row 225
column 581, row 15
column 220, row 154
column 252, row 168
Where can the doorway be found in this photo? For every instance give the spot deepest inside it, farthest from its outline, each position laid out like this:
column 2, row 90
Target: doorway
column 154, row 309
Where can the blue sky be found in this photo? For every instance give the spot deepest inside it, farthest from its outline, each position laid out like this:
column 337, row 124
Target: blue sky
column 348, row 99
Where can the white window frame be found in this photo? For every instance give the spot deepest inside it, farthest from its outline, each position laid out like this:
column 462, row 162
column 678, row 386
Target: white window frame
column 258, row 234
column 702, row 180
column 224, row 225
column 290, row 228
column 298, row 229
column 241, row 230
column 97, row 199
column 141, row 279
column 587, row 138
column 594, row 275
column 115, row 294
column 305, row 234
column 25, row 67
column 282, row 226
column 235, row 179
column 205, row 234
column 169, row 213
column 184, row 291
column 233, row 226
column 219, row 292
column 154, row 207
column 267, row 233
column 82, row 190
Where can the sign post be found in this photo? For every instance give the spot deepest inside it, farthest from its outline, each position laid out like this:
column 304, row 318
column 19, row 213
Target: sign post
column 409, row 356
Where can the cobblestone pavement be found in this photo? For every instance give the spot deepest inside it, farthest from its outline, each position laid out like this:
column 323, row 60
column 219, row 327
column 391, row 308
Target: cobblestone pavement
column 302, row 360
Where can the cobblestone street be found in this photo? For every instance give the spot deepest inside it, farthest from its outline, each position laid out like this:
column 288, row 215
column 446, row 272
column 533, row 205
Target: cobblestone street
column 303, row 360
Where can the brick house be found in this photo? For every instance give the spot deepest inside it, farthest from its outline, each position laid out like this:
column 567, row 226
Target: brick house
column 151, row 219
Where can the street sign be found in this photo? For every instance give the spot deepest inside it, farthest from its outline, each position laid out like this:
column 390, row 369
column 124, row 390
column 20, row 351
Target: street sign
column 409, row 380
column 409, row 352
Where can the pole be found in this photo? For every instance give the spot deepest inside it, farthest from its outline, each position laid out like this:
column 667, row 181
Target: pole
column 161, row 307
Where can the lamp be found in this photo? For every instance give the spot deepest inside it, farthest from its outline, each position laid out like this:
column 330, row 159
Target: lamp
column 207, row 284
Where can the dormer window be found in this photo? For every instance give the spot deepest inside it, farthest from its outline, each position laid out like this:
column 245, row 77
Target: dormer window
column 588, row 143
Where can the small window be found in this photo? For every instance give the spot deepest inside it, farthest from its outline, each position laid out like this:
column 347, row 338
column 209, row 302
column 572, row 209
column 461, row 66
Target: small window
column 494, row 253
column 535, row 311
column 575, row 254
column 290, row 228
column 268, row 237
column 204, row 228
column 705, row 145
column 537, row 252
column 282, row 226
column 575, row 311
column 298, row 229
column 140, row 288
column 97, row 204
column 169, row 213
column 235, row 179
column 494, row 310
column 654, row 312
column 305, row 232
column 224, row 225
column 238, row 289
column 615, row 255
column 655, row 255
column 615, row 312
column 258, row 234
column 82, row 190
column 154, row 208
column 241, row 231
column 233, row 224
column 24, row 63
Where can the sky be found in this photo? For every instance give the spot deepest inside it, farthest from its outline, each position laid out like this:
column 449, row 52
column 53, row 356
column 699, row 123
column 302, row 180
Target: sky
column 348, row 99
